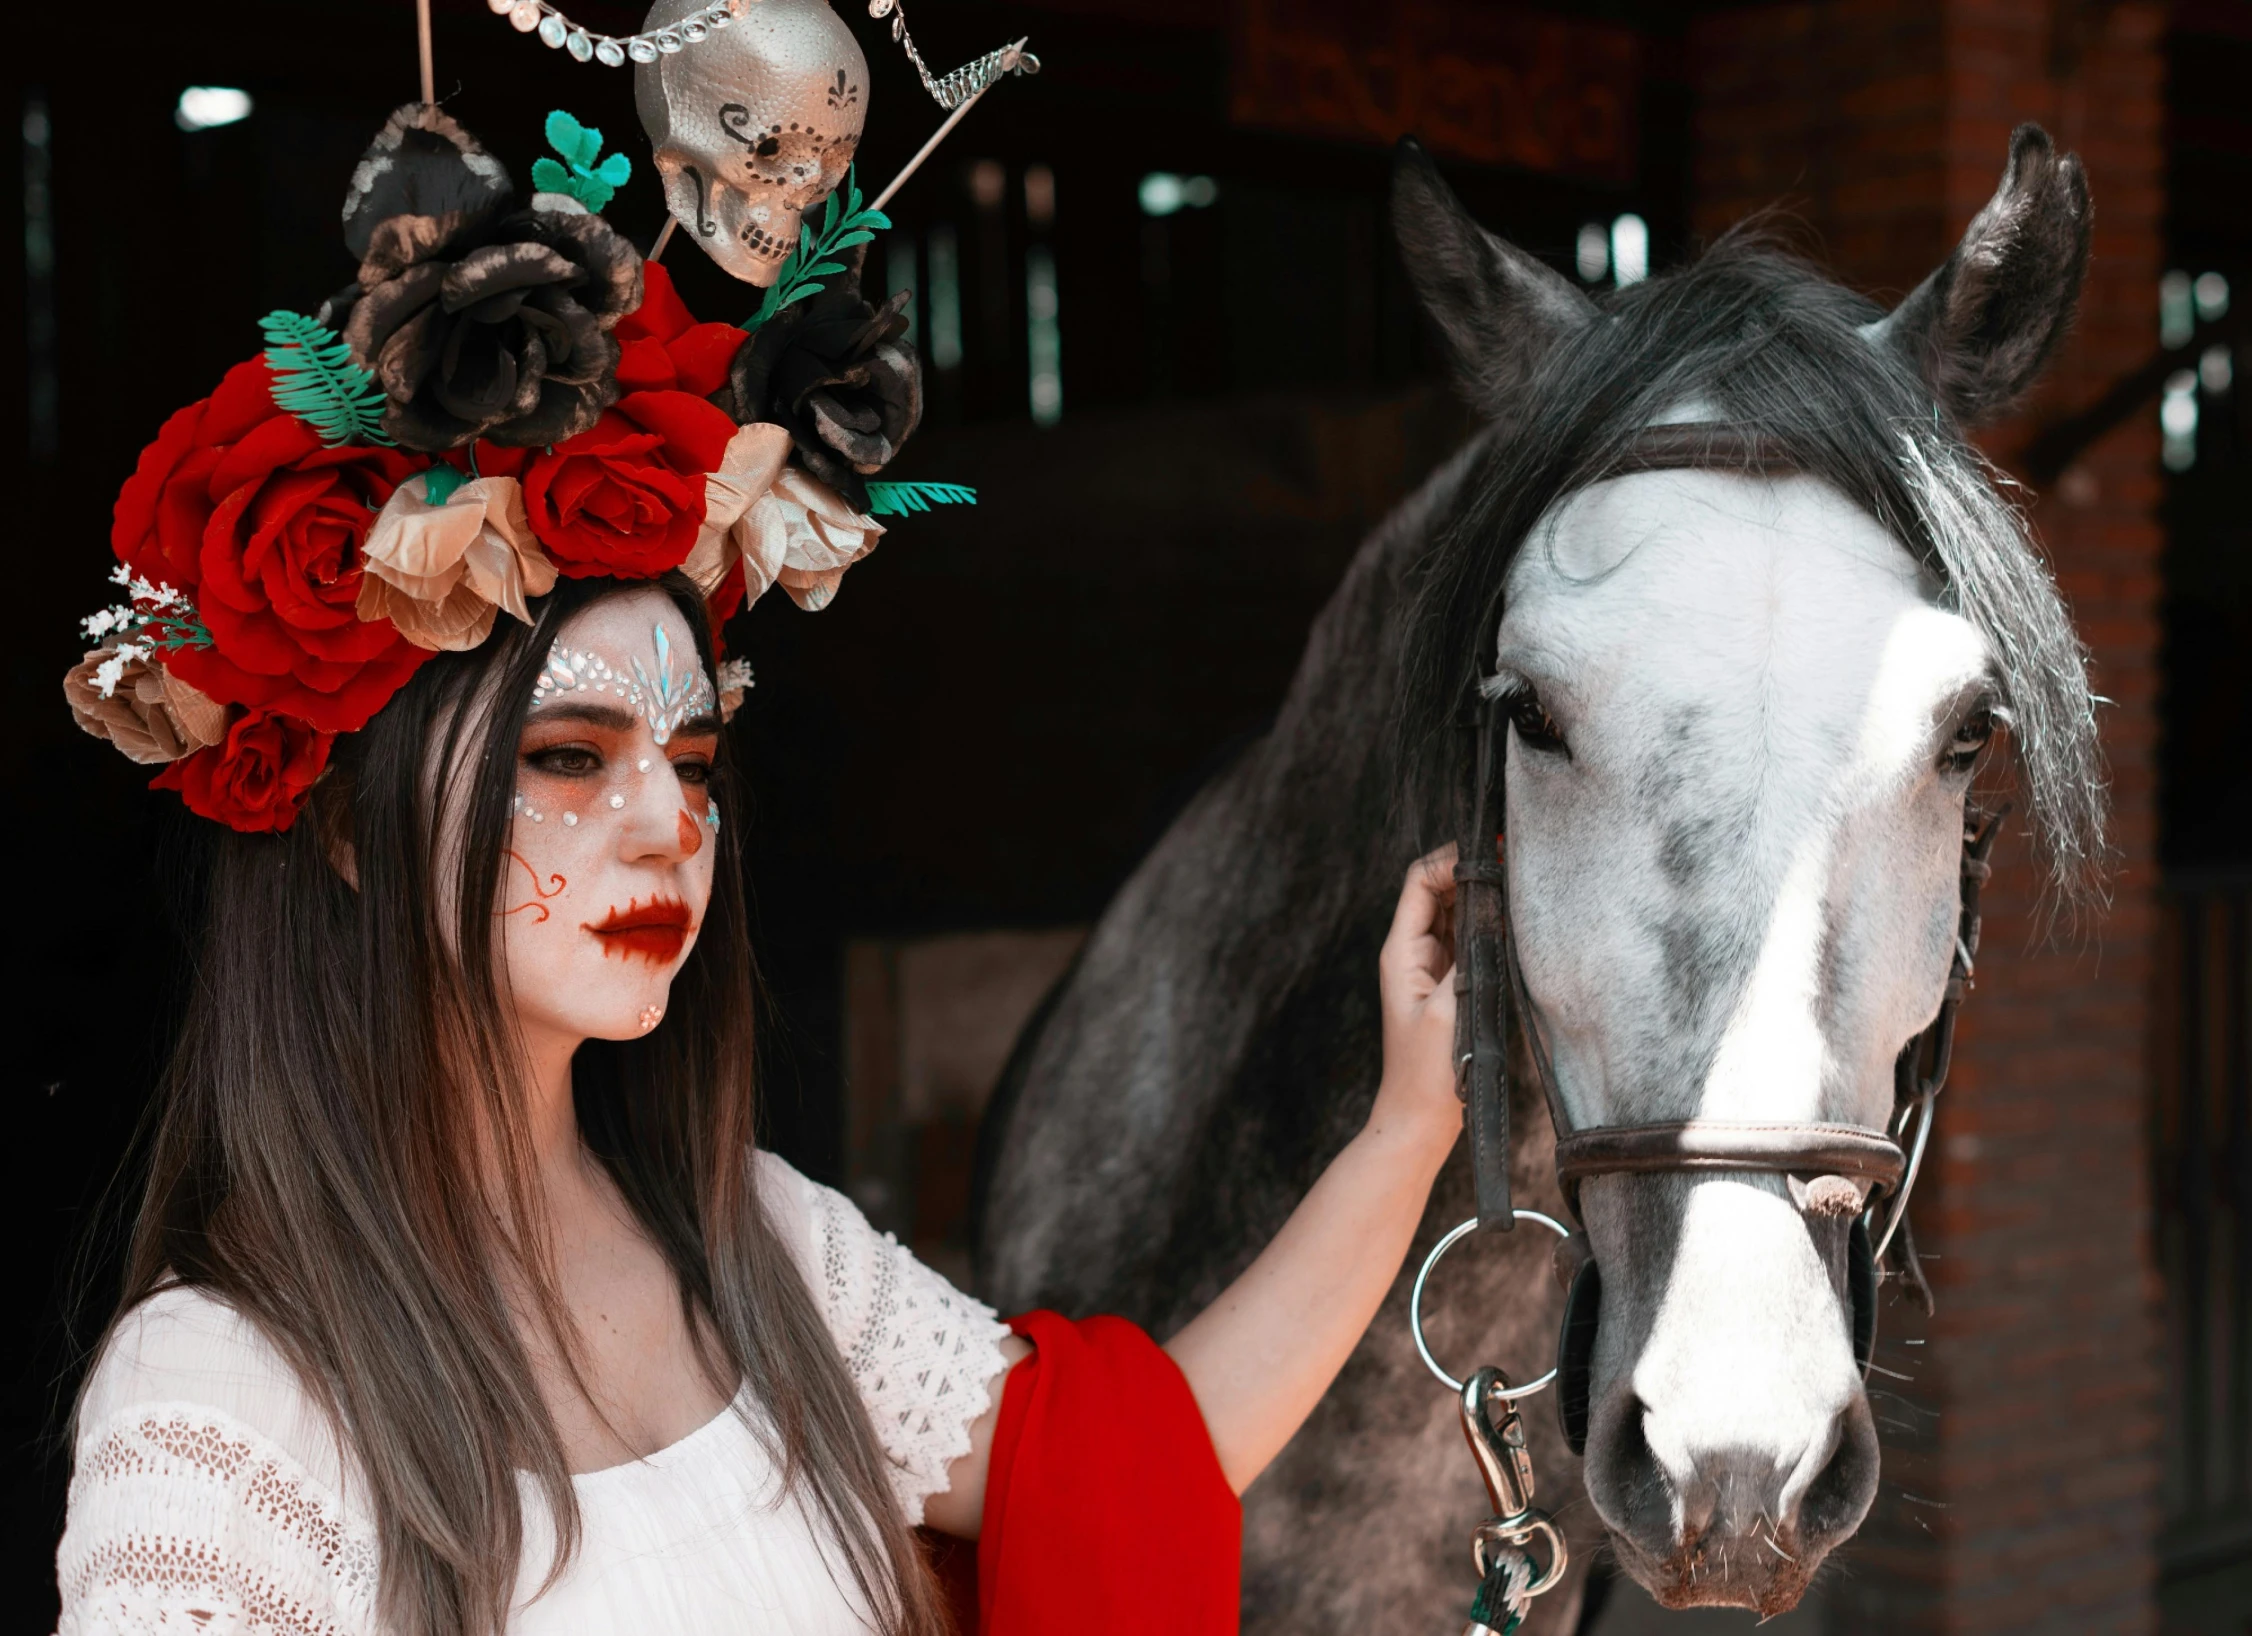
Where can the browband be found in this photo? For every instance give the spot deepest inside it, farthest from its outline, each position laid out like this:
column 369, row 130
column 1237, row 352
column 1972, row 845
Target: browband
column 1700, row 445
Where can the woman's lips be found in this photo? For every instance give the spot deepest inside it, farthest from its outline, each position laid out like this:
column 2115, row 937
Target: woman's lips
column 655, row 931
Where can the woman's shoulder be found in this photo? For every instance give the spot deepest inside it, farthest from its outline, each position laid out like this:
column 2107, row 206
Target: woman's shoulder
column 923, row 1355
column 186, row 1356
column 206, row 1490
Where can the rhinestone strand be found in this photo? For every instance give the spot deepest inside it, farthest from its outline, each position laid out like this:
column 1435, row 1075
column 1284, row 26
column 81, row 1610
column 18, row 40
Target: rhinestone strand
column 614, row 51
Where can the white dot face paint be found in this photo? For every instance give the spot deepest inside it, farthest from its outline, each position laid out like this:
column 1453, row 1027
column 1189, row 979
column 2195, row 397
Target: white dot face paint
column 600, row 906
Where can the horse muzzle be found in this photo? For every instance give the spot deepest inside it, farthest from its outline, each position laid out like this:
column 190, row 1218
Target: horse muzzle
column 1718, row 1523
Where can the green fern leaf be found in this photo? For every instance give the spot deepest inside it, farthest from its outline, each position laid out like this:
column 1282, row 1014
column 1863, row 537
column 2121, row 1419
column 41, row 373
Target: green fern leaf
column 899, row 499
column 316, row 380
column 844, row 226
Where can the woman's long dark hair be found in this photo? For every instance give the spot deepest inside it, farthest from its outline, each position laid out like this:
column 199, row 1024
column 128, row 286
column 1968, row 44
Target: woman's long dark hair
column 344, row 1095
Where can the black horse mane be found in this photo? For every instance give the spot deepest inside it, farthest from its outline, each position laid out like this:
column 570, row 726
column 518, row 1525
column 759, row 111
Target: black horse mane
column 1765, row 340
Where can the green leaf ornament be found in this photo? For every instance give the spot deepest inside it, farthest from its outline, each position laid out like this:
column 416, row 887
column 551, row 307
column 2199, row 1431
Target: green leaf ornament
column 898, row 499
column 581, row 174
column 844, row 226
column 316, row 380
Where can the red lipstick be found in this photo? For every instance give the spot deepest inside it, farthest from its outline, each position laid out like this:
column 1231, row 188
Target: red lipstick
column 656, row 931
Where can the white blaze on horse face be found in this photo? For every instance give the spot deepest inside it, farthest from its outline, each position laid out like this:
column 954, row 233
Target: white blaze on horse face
column 1734, row 898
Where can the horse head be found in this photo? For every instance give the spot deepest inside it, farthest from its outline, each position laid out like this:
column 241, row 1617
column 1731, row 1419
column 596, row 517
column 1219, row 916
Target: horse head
column 1745, row 709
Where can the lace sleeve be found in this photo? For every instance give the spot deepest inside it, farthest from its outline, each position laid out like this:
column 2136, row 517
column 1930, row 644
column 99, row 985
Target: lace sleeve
column 183, row 1519
column 924, row 1355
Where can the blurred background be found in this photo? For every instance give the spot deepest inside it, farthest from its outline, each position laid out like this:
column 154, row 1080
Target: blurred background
column 1168, row 341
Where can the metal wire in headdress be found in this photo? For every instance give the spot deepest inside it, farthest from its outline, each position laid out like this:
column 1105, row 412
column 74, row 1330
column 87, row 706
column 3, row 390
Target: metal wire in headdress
column 967, row 82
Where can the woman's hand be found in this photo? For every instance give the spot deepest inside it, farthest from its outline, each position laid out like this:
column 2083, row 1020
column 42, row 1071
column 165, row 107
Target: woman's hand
column 1415, row 1100
column 1260, row 1357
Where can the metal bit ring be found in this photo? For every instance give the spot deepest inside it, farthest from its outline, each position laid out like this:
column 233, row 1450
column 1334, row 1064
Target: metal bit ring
column 1415, row 1306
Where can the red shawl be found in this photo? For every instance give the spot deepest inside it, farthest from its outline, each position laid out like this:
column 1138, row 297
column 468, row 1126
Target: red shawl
column 1106, row 1513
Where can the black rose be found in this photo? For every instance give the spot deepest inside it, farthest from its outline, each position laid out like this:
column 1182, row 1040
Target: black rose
column 476, row 319
column 834, row 370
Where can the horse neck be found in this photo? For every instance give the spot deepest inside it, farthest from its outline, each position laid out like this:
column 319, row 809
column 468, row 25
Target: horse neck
column 1329, row 773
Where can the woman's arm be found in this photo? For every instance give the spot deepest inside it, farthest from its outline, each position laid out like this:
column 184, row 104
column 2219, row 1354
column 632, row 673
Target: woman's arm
column 1259, row 1358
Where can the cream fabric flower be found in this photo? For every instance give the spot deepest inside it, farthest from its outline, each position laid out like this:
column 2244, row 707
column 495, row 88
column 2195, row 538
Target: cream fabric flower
column 747, row 469
column 783, row 525
column 442, row 572
column 821, row 537
column 150, row 715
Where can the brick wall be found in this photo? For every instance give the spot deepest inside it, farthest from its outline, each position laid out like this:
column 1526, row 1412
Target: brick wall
column 2021, row 1465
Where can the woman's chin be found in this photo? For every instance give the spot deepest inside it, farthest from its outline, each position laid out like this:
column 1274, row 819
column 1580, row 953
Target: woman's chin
column 631, row 1017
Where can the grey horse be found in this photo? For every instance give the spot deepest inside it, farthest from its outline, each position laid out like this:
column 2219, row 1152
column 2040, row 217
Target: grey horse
column 1744, row 714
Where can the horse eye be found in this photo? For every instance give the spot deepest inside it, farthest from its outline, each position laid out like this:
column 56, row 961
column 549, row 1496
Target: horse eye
column 1536, row 729
column 1970, row 739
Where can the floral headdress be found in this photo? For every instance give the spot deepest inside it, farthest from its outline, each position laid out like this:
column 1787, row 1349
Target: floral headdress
column 506, row 394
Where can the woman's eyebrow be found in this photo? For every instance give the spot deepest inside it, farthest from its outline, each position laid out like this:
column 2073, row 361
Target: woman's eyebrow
column 703, row 726
column 612, row 716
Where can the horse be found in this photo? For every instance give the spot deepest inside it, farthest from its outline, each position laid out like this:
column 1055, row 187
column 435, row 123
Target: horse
column 1740, row 712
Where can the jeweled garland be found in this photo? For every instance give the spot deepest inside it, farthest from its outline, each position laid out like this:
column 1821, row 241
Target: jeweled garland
column 611, row 50
column 559, row 33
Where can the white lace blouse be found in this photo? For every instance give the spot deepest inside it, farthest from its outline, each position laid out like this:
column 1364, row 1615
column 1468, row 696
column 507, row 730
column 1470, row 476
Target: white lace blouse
column 210, row 1495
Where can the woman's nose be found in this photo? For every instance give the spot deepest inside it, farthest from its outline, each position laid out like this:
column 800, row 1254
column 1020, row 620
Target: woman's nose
column 660, row 824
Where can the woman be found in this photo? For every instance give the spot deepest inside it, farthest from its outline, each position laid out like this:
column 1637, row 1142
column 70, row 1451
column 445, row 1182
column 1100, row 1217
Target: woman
column 462, row 1298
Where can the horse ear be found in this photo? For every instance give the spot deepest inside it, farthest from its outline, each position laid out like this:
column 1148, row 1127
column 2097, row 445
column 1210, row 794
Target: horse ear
column 1979, row 329
column 1498, row 309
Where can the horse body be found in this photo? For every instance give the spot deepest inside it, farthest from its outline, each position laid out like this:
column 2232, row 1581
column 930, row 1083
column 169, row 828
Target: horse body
column 1744, row 715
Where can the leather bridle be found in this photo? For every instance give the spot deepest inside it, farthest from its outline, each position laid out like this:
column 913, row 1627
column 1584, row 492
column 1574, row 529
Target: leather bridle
column 1490, row 994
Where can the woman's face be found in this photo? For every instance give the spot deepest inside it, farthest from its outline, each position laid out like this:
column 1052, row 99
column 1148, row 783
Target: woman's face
column 609, row 867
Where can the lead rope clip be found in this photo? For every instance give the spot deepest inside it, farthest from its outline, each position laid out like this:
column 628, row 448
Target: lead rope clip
column 1509, row 1575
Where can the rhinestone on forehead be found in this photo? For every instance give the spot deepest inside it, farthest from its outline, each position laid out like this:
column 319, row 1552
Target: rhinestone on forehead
column 663, row 699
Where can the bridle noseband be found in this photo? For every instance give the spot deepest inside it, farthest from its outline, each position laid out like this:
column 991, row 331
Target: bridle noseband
column 1489, row 991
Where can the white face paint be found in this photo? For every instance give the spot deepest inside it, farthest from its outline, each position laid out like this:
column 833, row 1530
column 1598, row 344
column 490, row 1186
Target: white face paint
column 609, row 868
column 1733, row 889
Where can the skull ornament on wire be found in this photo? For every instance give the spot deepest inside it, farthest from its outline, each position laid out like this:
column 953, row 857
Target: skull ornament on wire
column 753, row 126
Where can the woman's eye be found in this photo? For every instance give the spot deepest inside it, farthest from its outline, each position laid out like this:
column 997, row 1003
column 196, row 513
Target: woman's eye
column 1970, row 740
column 565, row 761
column 693, row 770
column 1535, row 728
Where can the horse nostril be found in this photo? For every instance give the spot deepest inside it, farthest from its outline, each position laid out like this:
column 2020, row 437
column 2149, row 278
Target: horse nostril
column 1630, row 1488
column 1840, row 1495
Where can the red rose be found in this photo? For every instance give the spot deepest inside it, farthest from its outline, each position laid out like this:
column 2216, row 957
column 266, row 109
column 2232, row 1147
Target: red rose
column 665, row 349
column 157, row 529
column 279, row 580
column 257, row 777
column 626, row 497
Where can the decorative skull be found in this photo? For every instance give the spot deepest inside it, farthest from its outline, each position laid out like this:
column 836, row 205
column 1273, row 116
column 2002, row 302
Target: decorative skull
column 753, row 125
